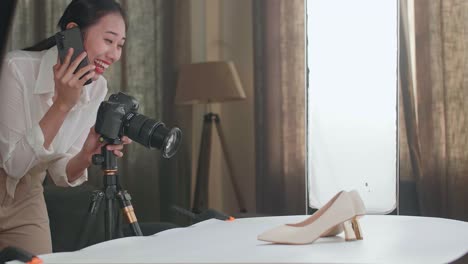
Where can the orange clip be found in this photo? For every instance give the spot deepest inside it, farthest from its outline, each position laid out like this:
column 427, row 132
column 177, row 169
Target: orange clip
column 230, row 219
column 35, row 260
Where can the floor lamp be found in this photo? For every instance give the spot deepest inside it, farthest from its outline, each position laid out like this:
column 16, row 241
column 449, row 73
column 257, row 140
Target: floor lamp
column 205, row 83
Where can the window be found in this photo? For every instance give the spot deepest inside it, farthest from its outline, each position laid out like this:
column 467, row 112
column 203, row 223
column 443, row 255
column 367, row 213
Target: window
column 352, row 101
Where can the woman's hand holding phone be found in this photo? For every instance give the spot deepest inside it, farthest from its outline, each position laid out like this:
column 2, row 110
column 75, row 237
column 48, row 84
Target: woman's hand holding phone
column 68, row 85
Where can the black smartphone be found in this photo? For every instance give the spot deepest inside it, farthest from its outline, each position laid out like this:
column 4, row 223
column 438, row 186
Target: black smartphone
column 71, row 38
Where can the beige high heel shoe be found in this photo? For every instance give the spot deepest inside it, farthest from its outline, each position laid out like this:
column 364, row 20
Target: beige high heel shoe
column 338, row 229
column 342, row 211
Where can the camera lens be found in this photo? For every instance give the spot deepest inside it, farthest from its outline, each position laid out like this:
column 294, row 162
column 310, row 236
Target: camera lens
column 171, row 140
column 152, row 134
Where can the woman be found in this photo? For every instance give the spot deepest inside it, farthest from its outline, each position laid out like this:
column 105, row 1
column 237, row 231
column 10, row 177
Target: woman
column 46, row 119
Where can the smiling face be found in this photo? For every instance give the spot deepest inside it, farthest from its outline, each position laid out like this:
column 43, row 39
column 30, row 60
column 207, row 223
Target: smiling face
column 104, row 41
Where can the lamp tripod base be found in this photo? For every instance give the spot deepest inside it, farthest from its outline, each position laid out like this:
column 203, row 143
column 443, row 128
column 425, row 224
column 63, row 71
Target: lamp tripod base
column 200, row 202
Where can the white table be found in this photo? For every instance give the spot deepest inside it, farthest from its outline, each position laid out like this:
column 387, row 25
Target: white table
column 387, row 239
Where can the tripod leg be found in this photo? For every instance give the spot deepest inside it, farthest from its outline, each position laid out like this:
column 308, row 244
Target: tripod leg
column 235, row 186
column 127, row 209
column 109, row 219
column 200, row 200
column 110, row 191
column 90, row 219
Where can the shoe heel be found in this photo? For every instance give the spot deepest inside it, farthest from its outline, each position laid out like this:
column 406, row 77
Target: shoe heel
column 352, row 230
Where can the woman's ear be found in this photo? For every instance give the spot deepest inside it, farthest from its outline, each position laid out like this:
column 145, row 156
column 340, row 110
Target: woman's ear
column 71, row 25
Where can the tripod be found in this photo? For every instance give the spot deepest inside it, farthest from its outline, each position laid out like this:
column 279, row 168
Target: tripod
column 200, row 202
column 111, row 191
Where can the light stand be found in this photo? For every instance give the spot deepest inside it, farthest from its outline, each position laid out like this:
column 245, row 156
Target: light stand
column 200, row 202
column 110, row 191
column 205, row 83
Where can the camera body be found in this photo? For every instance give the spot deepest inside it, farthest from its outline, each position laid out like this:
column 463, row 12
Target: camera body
column 118, row 117
column 112, row 114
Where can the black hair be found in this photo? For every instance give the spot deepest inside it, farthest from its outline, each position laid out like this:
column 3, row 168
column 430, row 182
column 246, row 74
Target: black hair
column 84, row 13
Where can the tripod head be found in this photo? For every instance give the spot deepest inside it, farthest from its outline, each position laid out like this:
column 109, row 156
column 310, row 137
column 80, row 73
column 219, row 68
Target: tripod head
column 106, row 159
column 108, row 162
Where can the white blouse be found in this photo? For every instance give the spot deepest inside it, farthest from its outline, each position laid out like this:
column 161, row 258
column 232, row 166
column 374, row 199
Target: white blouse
column 26, row 90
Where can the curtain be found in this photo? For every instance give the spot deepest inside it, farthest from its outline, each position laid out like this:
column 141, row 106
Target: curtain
column 279, row 70
column 435, row 107
column 147, row 70
column 408, row 157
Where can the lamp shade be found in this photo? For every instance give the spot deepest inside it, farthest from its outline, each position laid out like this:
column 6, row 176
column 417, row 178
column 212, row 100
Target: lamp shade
column 208, row 82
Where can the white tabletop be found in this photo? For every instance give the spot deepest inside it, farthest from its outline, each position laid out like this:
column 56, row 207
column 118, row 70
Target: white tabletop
column 387, row 239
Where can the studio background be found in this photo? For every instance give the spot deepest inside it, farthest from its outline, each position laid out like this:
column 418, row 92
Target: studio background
column 266, row 132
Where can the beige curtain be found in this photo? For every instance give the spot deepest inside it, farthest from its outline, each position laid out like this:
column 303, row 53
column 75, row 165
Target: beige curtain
column 279, row 47
column 435, row 107
column 147, row 71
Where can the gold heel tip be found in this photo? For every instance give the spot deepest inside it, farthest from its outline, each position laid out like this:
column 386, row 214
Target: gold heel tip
column 352, row 230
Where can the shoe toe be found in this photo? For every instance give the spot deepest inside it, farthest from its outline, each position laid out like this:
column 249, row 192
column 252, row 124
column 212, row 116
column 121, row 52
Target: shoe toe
column 284, row 235
column 276, row 235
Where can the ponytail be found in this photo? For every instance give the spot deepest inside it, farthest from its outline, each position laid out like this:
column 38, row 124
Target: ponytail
column 42, row 45
column 84, row 13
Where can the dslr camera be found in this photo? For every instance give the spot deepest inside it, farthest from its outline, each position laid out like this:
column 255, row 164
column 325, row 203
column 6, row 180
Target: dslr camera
column 118, row 117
